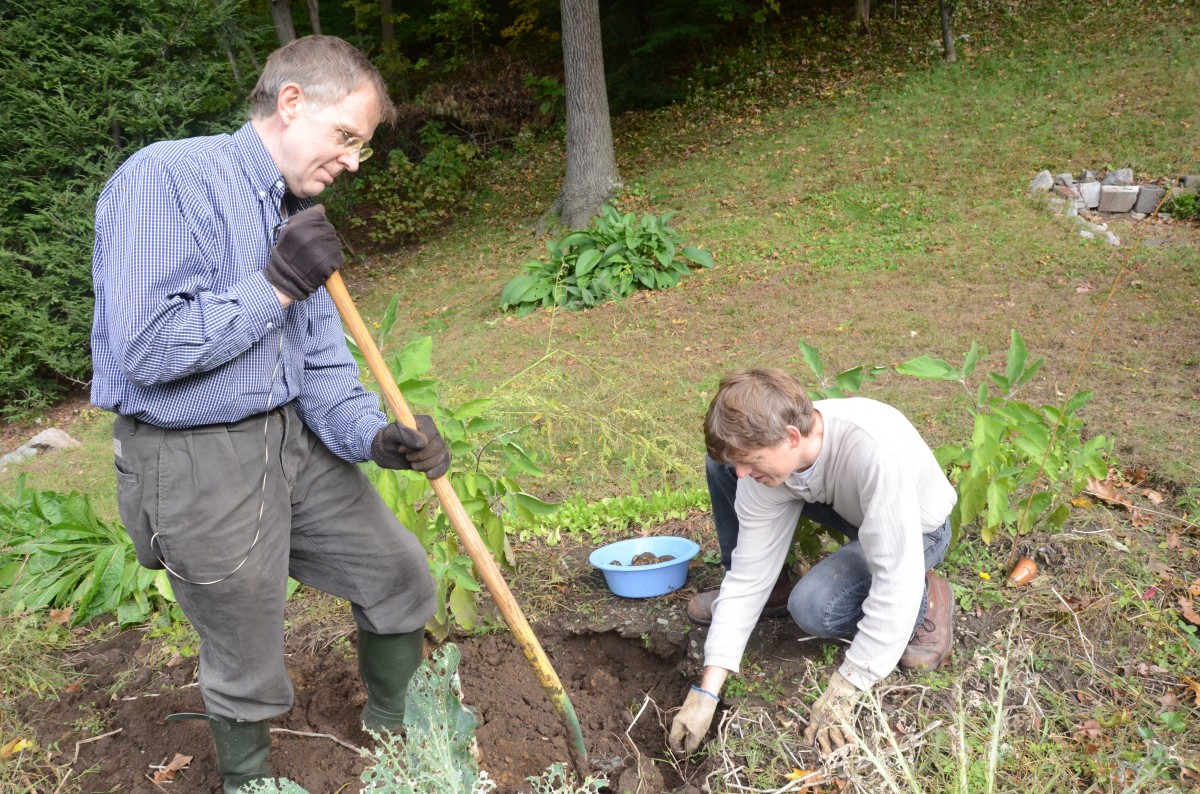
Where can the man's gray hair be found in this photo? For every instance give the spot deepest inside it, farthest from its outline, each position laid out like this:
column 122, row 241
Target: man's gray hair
column 326, row 67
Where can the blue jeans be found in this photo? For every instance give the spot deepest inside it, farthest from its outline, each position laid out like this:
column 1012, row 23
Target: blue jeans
column 827, row 602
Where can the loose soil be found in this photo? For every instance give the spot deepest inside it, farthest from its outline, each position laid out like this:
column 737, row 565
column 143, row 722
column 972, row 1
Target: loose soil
column 625, row 663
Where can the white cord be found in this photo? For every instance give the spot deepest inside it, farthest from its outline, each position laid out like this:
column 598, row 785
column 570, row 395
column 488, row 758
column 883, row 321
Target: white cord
column 262, row 506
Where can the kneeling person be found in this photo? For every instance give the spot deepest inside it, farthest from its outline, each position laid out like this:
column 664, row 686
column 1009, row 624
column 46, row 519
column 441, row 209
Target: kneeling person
column 859, row 468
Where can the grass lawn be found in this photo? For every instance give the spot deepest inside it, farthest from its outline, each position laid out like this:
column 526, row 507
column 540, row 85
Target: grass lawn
column 868, row 200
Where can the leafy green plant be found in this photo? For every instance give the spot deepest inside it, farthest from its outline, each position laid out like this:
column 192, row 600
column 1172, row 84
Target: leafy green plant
column 1185, row 205
column 578, row 516
column 616, row 256
column 844, row 384
column 486, row 459
column 55, row 552
column 1023, row 463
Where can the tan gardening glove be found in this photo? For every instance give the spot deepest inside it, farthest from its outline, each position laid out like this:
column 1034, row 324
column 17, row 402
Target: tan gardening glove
column 832, row 710
column 692, row 721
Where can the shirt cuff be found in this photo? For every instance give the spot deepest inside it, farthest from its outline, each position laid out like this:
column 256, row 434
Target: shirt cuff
column 260, row 304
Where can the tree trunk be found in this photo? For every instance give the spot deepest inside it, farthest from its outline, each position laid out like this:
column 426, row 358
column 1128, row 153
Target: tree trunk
column 314, row 16
column 591, row 176
column 281, row 15
column 388, row 25
column 862, row 13
column 946, row 7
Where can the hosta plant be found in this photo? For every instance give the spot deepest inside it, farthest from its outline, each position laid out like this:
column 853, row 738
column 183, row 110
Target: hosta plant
column 616, row 256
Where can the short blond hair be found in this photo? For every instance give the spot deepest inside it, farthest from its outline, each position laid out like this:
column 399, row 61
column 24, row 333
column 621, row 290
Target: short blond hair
column 328, row 69
column 752, row 409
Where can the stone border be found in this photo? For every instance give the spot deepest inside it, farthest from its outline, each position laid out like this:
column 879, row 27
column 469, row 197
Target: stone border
column 1116, row 192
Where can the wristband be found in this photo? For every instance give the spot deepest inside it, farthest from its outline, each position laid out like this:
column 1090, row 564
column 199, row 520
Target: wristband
column 705, row 691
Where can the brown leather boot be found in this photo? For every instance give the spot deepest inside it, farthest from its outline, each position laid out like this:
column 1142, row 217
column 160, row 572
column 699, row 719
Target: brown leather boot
column 933, row 639
column 699, row 609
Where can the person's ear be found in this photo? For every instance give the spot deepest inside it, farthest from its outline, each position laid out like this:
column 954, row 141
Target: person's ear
column 793, row 436
column 288, row 102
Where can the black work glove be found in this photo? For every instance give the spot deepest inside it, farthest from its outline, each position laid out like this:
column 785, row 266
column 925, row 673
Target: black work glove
column 305, row 255
column 400, row 447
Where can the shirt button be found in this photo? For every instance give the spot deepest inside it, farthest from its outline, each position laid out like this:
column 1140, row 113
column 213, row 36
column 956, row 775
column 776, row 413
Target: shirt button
column 270, row 326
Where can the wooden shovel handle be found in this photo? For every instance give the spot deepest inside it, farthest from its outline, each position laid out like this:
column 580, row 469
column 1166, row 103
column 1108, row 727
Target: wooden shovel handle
column 468, row 535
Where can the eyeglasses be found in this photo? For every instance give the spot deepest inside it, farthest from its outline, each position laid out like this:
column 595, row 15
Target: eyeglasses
column 351, row 143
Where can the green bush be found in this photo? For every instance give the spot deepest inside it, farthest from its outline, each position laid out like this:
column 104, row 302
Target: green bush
column 405, row 200
column 81, row 86
column 616, row 256
column 1184, row 205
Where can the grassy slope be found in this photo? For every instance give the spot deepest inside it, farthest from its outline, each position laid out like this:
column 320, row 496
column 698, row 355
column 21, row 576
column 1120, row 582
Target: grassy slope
column 861, row 197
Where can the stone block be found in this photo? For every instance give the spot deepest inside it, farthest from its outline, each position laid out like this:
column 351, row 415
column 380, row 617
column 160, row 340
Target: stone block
column 1148, row 198
column 1089, row 176
column 1090, row 193
column 1065, row 191
column 1064, row 179
column 1118, row 198
column 1041, row 183
column 1122, row 177
column 1189, row 181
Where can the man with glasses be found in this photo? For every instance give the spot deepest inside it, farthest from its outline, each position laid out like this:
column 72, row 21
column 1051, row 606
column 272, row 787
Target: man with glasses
column 240, row 416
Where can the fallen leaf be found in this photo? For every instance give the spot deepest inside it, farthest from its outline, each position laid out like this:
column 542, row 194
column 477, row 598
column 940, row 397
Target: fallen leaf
column 796, row 774
column 1138, row 518
column 1081, row 502
column 1154, row 496
column 1194, row 589
column 1189, row 612
column 1106, row 492
column 1136, row 475
column 71, row 689
column 14, row 746
column 167, row 773
column 1168, row 700
column 61, row 616
column 1083, row 288
column 1089, row 730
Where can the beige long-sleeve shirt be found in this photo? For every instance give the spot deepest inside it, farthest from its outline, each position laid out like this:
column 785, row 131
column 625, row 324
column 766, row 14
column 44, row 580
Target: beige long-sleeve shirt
column 877, row 473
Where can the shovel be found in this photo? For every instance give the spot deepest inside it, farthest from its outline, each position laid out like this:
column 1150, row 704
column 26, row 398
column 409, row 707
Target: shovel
column 467, row 534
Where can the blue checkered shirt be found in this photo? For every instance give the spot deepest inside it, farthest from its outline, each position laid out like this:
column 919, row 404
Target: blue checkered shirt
column 187, row 330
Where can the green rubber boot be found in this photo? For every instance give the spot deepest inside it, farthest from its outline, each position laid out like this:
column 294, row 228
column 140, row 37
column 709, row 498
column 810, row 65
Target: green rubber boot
column 386, row 663
column 242, row 748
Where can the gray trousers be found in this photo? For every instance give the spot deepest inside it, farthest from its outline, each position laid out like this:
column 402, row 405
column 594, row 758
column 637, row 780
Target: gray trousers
column 191, row 501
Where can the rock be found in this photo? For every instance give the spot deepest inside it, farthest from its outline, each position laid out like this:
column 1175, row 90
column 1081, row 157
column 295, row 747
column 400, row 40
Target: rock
column 49, row 440
column 1117, row 198
column 1056, row 204
column 1064, row 179
column 1122, row 177
column 1085, row 234
column 1090, row 193
column 1041, row 183
column 1138, row 216
column 1147, row 199
column 1066, row 191
column 1112, row 239
column 52, row 439
column 1190, row 181
column 1088, row 176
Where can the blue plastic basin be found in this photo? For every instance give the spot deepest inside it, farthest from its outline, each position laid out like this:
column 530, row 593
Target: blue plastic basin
column 644, row 581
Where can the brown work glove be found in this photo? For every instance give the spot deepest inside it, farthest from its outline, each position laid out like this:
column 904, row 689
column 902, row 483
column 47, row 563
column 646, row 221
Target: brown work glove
column 832, row 712
column 398, row 447
column 305, row 255
column 691, row 723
